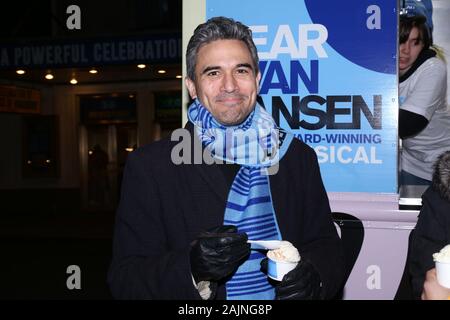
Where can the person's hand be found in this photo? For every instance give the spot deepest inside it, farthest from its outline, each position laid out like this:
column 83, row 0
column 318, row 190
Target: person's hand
column 432, row 290
column 218, row 252
column 301, row 283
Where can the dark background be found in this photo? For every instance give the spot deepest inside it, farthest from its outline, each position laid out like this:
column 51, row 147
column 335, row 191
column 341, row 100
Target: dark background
column 45, row 230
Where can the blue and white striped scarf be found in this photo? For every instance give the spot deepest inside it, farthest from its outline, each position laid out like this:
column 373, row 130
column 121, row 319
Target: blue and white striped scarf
column 256, row 144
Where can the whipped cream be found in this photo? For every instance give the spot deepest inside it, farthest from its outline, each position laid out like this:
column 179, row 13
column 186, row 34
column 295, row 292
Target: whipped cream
column 443, row 255
column 286, row 253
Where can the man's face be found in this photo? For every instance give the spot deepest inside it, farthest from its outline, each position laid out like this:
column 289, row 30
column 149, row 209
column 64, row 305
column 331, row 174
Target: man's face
column 410, row 50
column 226, row 83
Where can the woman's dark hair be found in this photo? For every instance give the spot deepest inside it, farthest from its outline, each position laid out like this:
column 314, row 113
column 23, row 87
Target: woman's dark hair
column 408, row 23
column 441, row 175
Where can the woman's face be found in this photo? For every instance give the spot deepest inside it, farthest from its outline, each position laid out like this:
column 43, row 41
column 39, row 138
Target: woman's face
column 410, row 50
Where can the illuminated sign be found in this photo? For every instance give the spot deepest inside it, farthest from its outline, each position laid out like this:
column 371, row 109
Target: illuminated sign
column 19, row 100
column 161, row 49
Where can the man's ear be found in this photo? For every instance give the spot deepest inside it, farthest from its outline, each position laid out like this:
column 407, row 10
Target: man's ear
column 258, row 79
column 190, row 85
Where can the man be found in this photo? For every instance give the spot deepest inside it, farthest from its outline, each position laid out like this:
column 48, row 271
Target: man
column 182, row 228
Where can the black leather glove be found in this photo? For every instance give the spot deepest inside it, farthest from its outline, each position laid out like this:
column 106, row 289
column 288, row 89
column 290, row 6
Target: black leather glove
column 218, row 252
column 302, row 283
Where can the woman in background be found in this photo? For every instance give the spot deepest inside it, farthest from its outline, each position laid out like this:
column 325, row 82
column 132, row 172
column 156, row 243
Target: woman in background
column 424, row 118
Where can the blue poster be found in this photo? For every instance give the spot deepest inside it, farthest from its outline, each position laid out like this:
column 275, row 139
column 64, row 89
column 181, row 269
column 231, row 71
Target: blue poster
column 329, row 76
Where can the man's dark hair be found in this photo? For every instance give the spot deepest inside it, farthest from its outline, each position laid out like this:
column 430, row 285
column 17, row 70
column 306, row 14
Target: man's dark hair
column 408, row 23
column 218, row 28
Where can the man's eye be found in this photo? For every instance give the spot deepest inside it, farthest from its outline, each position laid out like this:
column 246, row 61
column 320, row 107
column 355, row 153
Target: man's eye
column 242, row 71
column 213, row 73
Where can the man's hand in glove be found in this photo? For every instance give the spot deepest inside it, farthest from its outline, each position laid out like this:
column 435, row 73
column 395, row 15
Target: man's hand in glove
column 218, row 252
column 302, row 283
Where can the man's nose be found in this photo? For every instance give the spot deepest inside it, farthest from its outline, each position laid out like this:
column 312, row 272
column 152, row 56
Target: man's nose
column 229, row 83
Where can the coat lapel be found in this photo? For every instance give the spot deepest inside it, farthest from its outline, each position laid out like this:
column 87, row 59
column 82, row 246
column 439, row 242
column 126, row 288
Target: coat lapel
column 214, row 177
column 211, row 174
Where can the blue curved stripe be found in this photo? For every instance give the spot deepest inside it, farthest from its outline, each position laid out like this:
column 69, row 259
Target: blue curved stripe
column 243, row 225
column 250, row 202
column 242, row 193
column 236, row 222
column 245, row 283
column 256, row 255
column 251, row 292
column 249, row 288
column 243, row 189
column 271, row 235
column 248, row 274
column 256, row 228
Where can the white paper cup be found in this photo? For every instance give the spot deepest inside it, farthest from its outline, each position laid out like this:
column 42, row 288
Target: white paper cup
column 443, row 273
column 277, row 269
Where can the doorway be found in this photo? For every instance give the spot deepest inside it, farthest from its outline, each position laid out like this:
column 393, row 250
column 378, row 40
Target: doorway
column 108, row 133
column 107, row 148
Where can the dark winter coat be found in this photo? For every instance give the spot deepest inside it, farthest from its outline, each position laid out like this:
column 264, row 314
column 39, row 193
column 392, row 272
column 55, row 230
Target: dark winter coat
column 164, row 206
column 432, row 231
